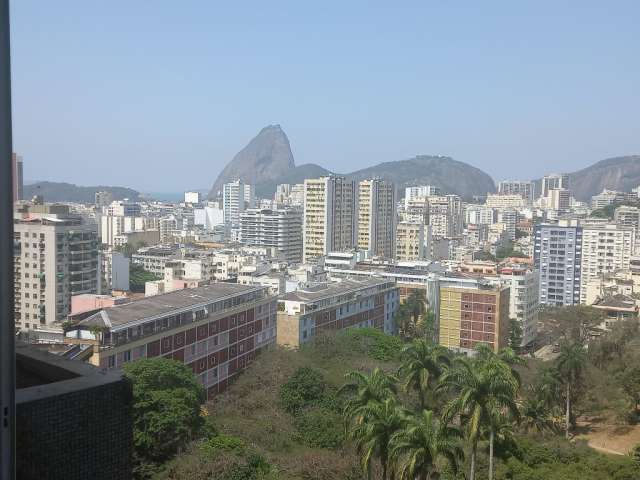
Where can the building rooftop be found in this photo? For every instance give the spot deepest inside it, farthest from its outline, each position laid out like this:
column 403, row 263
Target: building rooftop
column 618, row 301
column 160, row 305
column 321, row 291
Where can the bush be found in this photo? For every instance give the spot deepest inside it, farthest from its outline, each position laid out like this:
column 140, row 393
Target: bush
column 320, row 428
column 374, row 343
column 306, row 387
column 222, row 442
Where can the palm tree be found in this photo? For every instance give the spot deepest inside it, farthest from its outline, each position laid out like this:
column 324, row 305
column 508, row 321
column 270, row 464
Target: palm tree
column 377, row 387
column 418, row 448
column 484, row 388
column 423, row 363
column 570, row 365
column 547, row 387
column 372, row 432
column 535, row 416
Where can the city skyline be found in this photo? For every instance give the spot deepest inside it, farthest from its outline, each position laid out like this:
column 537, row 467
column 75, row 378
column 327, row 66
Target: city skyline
column 517, row 91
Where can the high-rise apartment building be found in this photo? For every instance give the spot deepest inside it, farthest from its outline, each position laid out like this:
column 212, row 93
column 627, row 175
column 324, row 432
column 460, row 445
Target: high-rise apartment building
column 559, row 199
column 56, row 257
column 330, row 216
column 553, row 181
column 377, row 218
column 480, row 215
column 278, row 229
column 627, row 216
column 558, row 257
column 472, row 312
column 509, row 218
column 124, row 208
column 445, row 216
column 236, row 198
column 523, row 299
column 605, row 249
column 18, row 180
column 420, row 191
column 103, row 199
column 410, row 241
column 526, row 189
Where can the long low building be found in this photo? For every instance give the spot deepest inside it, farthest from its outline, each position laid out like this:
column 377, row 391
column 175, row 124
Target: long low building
column 370, row 302
column 216, row 330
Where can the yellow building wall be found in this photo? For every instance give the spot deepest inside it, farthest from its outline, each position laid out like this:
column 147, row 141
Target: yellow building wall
column 450, row 316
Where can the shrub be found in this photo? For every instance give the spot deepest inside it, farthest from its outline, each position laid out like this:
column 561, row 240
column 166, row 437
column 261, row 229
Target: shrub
column 320, row 428
column 306, row 387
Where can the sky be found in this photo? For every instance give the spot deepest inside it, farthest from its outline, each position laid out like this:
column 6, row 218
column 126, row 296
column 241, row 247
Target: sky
column 159, row 95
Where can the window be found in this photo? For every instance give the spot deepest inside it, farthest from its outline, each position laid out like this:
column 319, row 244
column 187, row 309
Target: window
column 127, row 356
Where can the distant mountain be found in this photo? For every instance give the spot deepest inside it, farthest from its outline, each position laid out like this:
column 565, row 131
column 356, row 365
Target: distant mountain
column 266, row 157
column 266, row 189
column 619, row 173
column 67, row 192
column 450, row 175
column 267, row 161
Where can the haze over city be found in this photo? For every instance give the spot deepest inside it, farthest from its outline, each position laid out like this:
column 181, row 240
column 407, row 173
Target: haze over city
column 159, row 97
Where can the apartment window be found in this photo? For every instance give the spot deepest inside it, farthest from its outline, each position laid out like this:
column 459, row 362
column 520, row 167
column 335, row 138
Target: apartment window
column 111, row 361
column 127, row 356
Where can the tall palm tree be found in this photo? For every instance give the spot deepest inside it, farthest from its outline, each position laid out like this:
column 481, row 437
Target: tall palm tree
column 547, row 386
column 570, row 364
column 535, row 416
column 378, row 386
column 483, row 387
column 422, row 365
column 372, row 432
column 418, row 448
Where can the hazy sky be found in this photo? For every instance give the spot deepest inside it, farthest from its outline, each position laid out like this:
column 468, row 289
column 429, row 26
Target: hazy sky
column 159, row 95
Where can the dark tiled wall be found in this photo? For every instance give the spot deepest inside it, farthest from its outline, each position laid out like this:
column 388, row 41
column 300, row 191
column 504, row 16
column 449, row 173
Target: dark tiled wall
column 83, row 434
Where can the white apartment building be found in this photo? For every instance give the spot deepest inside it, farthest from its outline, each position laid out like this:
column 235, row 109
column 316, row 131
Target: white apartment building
column 445, row 216
column 410, row 241
column 605, row 250
column 607, row 197
column 192, row 197
column 154, row 259
column 377, row 218
column 56, row 257
column 480, row 215
column 289, row 194
column 559, row 199
column 420, row 191
column 524, row 188
column 523, row 299
column 279, row 229
column 209, row 216
column 627, row 216
column 509, row 217
column 554, row 181
column 330, row 216
column 236, row 198
column 123, row 208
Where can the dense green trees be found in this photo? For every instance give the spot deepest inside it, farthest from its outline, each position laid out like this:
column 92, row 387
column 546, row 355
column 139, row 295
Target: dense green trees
column 138, row 276
column 167, row 402
column 481, row 393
